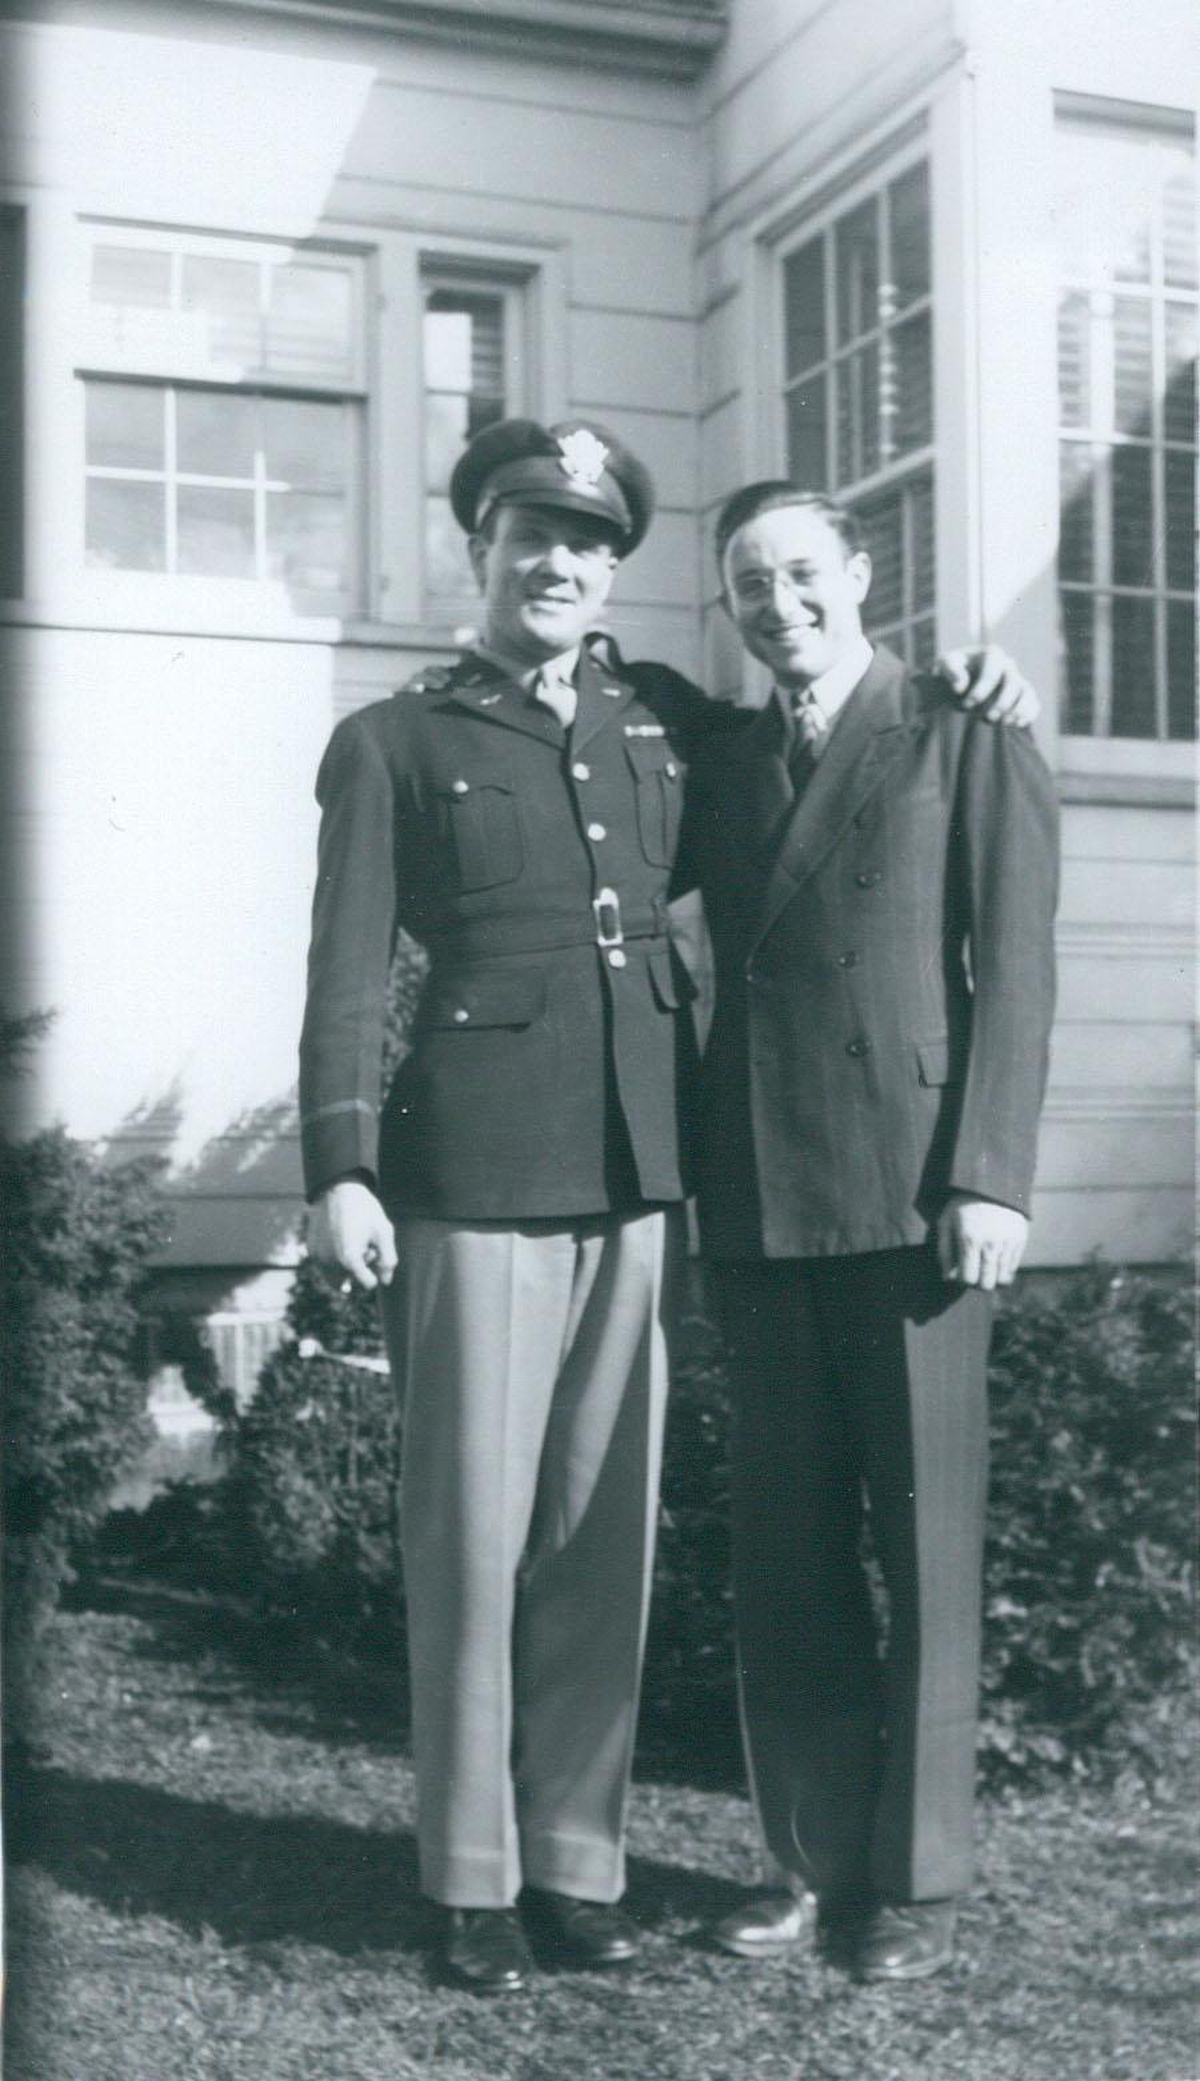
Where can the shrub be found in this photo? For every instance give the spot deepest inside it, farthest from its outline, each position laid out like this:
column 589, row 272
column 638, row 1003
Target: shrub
column 1088, row 1575
column 77, row 1238
column 313, row 1488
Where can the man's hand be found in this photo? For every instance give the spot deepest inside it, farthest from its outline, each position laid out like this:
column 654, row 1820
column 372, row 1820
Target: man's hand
column 989, row 683
column 979, row 1242
column 348, row 1227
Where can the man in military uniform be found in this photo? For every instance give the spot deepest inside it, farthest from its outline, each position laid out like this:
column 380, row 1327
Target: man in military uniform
column 517, row 814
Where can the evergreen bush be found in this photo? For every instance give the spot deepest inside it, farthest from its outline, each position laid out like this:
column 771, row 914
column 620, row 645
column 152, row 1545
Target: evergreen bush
column 77, row 1238
column 1088, row 1578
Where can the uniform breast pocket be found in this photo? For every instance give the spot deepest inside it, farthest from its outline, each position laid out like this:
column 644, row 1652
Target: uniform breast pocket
column 658, row 783
column 479, row 839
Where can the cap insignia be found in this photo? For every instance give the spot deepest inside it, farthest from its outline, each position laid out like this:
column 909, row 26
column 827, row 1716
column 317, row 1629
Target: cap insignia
column 582, row 458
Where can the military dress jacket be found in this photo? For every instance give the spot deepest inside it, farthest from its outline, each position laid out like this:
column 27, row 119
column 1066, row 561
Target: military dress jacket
column 550, row 1049
column 883, row 942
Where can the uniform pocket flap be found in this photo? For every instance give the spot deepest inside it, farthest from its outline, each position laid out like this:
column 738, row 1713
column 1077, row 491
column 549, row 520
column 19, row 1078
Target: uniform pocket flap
column 650, row 755
column 670, row 981
column 933, row 1061
column 494, row 1000
column 462, row 781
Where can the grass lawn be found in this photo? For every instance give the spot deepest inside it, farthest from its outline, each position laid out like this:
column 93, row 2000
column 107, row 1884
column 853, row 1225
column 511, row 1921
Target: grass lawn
column 212, row 1878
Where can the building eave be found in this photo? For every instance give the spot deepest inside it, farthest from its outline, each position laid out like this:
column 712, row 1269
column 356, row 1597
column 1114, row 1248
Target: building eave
column 655, row 37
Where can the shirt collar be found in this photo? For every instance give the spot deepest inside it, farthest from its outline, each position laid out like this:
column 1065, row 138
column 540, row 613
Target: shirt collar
column 560, row 670
column 833, row 689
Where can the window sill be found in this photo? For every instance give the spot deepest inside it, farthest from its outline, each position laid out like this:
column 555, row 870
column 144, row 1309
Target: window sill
column 1127, row 770
column 131, row 605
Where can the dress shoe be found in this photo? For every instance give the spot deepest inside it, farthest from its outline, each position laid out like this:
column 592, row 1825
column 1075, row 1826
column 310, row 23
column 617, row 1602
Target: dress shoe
column 768, row 1924
column 579, row 1932
column 485, row 1949
column 906, row 1940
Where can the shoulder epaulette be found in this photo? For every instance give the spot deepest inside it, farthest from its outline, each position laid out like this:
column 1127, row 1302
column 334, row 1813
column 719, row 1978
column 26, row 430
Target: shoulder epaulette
column 430, row 679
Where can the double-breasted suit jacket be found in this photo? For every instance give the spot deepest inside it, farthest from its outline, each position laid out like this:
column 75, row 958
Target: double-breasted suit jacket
column 884, row 971
column 544, row 1077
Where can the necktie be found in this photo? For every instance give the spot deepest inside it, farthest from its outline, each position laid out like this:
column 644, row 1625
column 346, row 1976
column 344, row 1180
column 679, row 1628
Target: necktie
column 812, row 730
column 558, row 695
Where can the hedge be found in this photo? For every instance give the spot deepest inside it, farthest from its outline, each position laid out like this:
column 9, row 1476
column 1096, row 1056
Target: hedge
column 77, row 1237
column 1088, row 1571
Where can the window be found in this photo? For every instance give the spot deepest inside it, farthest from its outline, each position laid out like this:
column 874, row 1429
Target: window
column 471, row 350
column 1127, row 333
column 858, row 391
column 224, row 402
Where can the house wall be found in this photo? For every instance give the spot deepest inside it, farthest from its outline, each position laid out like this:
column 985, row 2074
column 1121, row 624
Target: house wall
column 164, row 757
column 794, row 115
column 168, row 750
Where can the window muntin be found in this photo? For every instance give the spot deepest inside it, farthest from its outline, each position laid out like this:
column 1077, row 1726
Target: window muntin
column 223, row 402
column 471, row 351
column 1127, row 322
column 858, row 390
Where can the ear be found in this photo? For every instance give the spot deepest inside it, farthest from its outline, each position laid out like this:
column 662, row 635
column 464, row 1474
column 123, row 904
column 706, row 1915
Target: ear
column 477, row 549
column 859, row 567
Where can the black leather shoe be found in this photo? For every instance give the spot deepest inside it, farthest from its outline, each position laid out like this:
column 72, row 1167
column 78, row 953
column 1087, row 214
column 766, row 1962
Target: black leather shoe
column 769, row 1923
column 485, row 1949
column 906, row 1940
column 579, row 1932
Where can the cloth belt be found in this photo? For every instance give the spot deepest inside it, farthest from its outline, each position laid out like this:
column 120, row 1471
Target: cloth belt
column 475, row 937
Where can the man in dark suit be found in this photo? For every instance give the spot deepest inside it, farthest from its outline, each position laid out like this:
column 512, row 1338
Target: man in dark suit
column 879, row 877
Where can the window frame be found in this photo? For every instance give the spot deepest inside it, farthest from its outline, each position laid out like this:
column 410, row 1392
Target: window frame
column 59, row 591
column 510, row 286
column 839, row 200
column 1098, row 753
column 141, row 597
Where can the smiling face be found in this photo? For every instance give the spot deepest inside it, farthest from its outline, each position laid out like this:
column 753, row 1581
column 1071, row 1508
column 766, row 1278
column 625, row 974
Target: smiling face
column 545, row 574
column 795, row 592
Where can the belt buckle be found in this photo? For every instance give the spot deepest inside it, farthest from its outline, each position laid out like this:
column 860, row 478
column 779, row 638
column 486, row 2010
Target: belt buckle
column 606, row 909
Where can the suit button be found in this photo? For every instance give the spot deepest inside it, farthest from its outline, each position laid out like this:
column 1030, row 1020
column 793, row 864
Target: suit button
column 460, row 787
column 580, row 771
column 858, row 1048
column 672, row 769
column 617, row 957
column 849, row 959
column 596, row 831
column 870, row 878
column 461, row 1015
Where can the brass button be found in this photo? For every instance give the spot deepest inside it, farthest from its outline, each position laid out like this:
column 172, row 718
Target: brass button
column 858, row 1048
column 617, row 957
column 461, row 1015
column 580, row 771
column 672, row 769
column 596, row 831
column 849, row 959
column 460, row 787
column 870, row 878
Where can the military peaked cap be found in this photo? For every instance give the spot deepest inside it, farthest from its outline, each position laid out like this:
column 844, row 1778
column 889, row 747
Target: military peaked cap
column 577, row 464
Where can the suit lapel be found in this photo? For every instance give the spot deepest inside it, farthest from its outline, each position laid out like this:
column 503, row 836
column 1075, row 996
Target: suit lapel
column 869, row 734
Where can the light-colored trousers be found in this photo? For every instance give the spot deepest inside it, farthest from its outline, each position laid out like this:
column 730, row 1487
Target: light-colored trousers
column 533, row 1367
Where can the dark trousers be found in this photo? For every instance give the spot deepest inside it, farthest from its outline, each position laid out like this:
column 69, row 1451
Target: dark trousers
column 860, row 1387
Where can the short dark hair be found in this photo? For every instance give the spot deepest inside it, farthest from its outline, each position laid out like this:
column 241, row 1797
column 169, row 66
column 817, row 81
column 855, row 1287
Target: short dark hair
column 772, row 493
